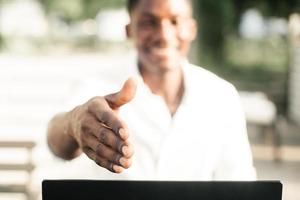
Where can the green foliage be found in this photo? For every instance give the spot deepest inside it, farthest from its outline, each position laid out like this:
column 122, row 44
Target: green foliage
column 216, row 19
column 1, row 42
column 268, row 54
column 211, row 23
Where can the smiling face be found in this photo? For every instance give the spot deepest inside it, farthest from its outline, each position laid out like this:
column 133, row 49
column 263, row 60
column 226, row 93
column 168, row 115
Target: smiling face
column 162, row 32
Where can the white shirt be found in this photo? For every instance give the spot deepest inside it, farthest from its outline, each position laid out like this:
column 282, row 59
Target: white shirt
column 206, row 139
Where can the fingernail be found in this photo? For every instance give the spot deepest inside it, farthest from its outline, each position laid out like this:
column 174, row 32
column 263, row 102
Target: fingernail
column 123, row 162
column 125, row 150
column 123, row 133
column 117, row 169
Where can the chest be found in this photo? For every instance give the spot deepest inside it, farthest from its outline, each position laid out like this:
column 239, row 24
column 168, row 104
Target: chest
column 183, row 147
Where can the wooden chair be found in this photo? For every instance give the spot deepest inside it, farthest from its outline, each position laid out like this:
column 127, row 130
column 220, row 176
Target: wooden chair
column 26, row 167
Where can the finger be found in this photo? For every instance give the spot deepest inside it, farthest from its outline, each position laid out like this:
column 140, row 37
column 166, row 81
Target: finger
column 111, row 155
column 125, row 95
column 105, row 114
column 106, row 152
column 108, row 165
column 90, row 153
column 115, row 123
column 104, row 134
column 108, row 137
column 102, row 162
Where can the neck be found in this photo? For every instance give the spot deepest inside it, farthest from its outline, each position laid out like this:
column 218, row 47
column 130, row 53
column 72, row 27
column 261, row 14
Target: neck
column 168, row 84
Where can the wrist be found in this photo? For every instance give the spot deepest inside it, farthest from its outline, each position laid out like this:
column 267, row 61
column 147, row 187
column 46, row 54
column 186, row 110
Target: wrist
column 72, row 127
column 71, row 132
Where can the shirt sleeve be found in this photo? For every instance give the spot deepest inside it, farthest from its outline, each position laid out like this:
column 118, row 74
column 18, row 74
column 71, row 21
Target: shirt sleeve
column 235, row 156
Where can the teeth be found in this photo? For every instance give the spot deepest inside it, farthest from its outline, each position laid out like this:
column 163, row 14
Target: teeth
column 161, row 50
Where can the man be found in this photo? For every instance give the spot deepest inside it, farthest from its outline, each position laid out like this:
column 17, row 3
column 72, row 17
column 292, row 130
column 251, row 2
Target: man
column 173, row 121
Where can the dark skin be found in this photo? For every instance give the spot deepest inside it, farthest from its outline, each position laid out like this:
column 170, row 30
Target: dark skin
column 162, row 32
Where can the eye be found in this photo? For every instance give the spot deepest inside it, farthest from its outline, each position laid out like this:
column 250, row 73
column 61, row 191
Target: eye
column 148, row 22
column 174, row 21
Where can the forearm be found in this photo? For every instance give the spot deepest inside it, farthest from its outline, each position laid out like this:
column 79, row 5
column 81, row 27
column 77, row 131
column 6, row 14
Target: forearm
column 59, row 138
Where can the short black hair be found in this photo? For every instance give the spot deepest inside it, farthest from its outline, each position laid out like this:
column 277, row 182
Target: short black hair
column 131, row 4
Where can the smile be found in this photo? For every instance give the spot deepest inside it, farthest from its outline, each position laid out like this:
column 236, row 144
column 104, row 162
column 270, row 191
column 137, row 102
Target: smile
column 162, row 51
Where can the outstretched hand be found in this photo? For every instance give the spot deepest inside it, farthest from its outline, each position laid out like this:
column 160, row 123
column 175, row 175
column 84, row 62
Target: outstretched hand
column 100, row 132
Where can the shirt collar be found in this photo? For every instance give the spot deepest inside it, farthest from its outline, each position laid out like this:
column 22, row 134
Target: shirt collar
column 134, row 72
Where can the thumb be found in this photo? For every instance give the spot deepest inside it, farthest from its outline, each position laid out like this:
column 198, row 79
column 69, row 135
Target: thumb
column 125, row 95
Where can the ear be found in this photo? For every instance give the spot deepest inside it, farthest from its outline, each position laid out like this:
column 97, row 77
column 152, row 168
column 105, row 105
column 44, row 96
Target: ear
column 128, row 31
column 193, row 29
column 189, row 30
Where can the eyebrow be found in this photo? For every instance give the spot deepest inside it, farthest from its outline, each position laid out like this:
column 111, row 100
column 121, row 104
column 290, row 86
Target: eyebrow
column 149, row 14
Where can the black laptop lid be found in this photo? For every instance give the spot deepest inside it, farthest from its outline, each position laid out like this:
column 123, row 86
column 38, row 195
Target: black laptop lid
column 160, row 190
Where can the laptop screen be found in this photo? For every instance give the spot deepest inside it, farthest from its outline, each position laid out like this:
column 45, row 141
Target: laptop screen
column 160, row 190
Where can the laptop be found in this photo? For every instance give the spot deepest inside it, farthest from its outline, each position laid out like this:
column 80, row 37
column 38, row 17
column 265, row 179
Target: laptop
column 160, row 190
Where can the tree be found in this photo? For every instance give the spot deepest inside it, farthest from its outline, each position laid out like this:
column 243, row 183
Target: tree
column 215, row 18
column 218, row 18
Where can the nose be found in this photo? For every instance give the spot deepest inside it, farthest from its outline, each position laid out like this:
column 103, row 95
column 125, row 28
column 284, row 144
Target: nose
column 165, row 32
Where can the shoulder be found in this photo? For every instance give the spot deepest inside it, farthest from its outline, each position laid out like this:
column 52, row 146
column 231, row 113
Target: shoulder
column 206, row 81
